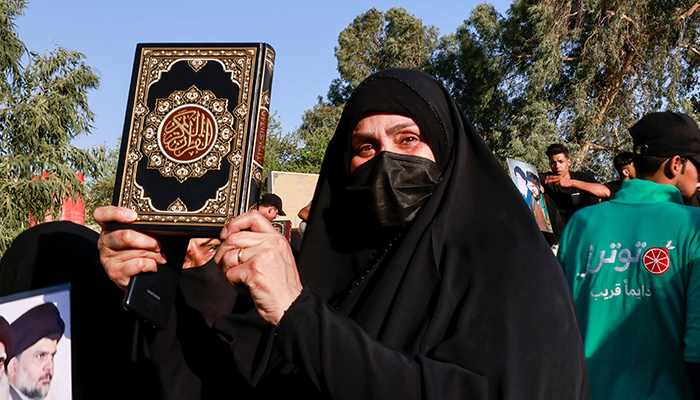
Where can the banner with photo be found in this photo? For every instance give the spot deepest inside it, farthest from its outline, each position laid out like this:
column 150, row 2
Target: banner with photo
column 37, row 344
column 528, row 183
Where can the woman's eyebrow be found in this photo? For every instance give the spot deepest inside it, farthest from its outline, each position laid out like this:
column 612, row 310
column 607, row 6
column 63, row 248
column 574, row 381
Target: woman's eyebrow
column 362, row 135
column 399, row 127
column 391, row 130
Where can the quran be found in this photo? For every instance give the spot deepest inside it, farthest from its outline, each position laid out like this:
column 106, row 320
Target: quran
column 192, row 150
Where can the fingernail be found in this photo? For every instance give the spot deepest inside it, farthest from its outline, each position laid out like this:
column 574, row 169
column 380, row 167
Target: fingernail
column 223, row 233
column 131, row 214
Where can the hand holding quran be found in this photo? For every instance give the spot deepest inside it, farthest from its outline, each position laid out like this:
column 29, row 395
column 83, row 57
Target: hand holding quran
column 257, row 260
column 191, row 160
column 125, row 252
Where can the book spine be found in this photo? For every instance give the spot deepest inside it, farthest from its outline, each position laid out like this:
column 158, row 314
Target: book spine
column 263, row 91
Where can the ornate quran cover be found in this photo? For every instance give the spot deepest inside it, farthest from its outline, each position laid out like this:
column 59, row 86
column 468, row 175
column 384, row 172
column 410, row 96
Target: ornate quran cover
column 194, row 135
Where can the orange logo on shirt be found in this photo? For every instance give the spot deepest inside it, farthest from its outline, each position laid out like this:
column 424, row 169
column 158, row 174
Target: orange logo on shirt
column 656, row 260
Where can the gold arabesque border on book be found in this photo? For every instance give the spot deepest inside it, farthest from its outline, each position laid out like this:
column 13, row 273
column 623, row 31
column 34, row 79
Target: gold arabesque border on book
column 240, row 63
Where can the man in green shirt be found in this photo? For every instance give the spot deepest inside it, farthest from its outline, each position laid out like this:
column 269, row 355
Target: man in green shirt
column 633, row 265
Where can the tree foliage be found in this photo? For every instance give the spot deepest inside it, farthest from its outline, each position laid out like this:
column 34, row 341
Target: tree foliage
column 375, row 41
column 571, row 71
column 303, row 149
column 99, row 190
column 472, row 63
column 43, row 106
column 316, row 130
column 279, row 148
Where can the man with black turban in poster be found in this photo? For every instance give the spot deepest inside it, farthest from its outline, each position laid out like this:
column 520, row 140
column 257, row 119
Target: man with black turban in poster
column 422, row 273
column 30, row 367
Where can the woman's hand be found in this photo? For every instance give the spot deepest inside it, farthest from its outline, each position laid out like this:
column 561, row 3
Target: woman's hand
column 257, row 260
column 125, row 252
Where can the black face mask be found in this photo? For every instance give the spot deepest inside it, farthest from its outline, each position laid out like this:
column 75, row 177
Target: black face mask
column 394, row 186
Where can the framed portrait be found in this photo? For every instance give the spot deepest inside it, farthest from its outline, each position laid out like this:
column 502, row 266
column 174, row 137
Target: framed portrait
column 37, row 344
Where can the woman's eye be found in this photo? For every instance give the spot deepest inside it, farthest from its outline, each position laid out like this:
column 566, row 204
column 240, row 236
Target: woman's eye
column 365, row 149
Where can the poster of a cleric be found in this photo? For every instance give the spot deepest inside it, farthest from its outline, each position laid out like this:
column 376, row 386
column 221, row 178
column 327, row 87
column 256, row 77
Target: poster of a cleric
column 35, row 345
column 528, row 183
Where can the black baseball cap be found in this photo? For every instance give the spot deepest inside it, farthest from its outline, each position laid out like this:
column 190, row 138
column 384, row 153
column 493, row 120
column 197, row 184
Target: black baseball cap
column 273, row 200
column 667, row 134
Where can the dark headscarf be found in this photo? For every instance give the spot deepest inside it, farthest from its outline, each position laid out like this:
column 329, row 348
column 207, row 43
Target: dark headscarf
column 470, row 281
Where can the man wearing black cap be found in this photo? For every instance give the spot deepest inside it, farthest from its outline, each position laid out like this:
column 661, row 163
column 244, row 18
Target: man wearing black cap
column 31, row 368
column 270, row 206
column 633, row 265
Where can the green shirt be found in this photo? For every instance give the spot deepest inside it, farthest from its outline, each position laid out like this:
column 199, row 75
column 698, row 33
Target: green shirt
column 633, row 265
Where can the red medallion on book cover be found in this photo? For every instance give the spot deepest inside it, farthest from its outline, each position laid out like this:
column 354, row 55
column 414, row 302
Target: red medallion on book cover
column 187, row 133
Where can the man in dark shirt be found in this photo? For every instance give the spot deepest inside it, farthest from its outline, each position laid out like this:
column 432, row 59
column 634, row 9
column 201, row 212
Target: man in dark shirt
column 624, row 165
column 570, row 190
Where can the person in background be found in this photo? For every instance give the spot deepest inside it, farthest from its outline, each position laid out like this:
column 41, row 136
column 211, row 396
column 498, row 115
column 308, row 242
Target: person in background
column 270, row 206
column 633, row 265
column 304, row 216
column 570, row 190
column 624, row 165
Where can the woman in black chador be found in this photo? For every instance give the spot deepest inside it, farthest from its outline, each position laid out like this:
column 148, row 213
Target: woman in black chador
column 422, row 273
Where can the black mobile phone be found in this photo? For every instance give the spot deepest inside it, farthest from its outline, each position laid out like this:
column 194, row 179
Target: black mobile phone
column 150, row 295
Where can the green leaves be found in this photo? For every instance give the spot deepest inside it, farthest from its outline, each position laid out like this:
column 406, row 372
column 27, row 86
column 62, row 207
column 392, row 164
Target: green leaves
column 43, row 106
column 375, row 41
column 303, row 149
column 574, row 72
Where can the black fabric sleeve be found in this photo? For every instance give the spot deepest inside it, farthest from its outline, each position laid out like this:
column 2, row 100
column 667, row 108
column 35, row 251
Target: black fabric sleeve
column 583, row 176
column 345, row 363
column 195, row 362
